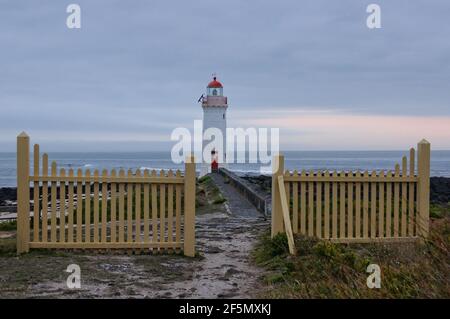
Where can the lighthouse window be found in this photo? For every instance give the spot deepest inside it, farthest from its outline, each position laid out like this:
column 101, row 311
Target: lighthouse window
column 224, row 116
column 214, row 92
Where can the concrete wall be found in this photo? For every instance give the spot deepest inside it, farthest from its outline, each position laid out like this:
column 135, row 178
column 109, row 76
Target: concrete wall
column 262, row 202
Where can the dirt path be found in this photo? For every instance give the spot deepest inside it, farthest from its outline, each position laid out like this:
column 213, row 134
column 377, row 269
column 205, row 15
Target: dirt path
column 223, row 269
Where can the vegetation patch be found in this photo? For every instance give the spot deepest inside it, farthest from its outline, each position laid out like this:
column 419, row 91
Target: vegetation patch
column 322, row 269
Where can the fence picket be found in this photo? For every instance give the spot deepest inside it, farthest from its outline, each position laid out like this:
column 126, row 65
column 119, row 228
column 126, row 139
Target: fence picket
column 303, row 205
column 104, row 207
column 396, row 202
column 389, row 206
column 365, row 205
column 295, row 204
column 96, row 206
column 342, row 196
column 113, row 207
column 44, row 199
column 404, row 190
column 138, row 209
column 373, row 207
column 53, row 205
column 130, row 208
column 170, row 208
column 334, row 207
column 146, row 207
column 411, row 193
column 79, row 208
column 319, row 207
column 154, row 209
column 121, row 208
column 311, row 206
column 178, row 190
column 350, row 209
column 62, row 207
column 70, row 209
column 162, row 211
column 36, row 195
column 381, row 204
column 358, row 206
column 87, row 205
column 327, row 207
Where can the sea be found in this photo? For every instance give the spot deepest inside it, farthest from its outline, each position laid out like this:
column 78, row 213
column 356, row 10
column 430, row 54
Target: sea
column 324, row 160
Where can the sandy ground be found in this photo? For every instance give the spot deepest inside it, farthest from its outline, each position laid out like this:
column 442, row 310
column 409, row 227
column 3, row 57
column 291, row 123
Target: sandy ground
column 223, row 268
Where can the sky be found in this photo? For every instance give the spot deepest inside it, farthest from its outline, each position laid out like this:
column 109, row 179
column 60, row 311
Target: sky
column 135, row 70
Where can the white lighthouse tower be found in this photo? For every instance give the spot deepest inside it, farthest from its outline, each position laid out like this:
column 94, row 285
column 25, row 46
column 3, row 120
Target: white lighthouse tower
column 214, row 116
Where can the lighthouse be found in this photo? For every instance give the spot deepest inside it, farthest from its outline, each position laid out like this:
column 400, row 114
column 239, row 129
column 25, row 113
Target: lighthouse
column 214, row 116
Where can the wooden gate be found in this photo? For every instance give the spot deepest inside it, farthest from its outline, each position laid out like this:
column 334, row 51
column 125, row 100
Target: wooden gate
column 354, row 207
column 107, row 210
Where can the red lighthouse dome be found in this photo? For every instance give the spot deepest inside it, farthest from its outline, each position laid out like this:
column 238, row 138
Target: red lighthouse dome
column 215, row 84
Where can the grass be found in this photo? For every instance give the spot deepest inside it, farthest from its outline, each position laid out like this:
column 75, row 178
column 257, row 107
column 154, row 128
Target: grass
column 8, row 225
column 208, row 192
column 322, row 269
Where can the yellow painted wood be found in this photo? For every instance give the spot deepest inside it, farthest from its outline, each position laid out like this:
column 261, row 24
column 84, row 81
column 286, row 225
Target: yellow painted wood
column 113, row 207
column 154, row 210
column 138, row 227
column 170, row 208
column 178, row 190
column 189, row 207
column 36, row 195
column 44, row 199
column 53, row 197
column 342, row 211
column 345, row 179
column 334, row 208
column 70, row 210
column 87, row 211
column 350, row 232
column 396, row 202
column 366, row 207
column 311, row 206
column 286, row 217
column 79, row 208
column 107, row 245
column 96, row 208
column 277, row 218
column 162, row 209
column 374, row 240
column 404, row 197
column 146, row 238
column 411, row 193
column 358, row 206
column 423, row 188
column 287, row 188
column 130, row 209
column 389, row 207
column 295, row 223
column 303, row 206
column 23, row 193
column 104, row 208
column 62, row 208
column 373, row 208
column 327, row 207
column 381, row 205
column 319, row 207
column 109, row 179
column 121, row 208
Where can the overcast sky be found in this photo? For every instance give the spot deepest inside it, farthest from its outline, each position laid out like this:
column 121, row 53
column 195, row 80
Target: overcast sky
column 135, row 70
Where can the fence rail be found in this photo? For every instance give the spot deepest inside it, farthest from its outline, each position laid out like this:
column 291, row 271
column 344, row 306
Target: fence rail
column 103, row 210
column 354, row 206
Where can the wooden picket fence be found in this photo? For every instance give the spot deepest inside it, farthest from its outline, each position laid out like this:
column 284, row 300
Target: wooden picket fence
column 112, row 210
column 354, row 207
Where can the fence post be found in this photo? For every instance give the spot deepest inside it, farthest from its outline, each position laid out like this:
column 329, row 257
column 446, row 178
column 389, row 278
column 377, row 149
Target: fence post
column 423, row 173
column 277, row 217
column 189, row 207
column 23, row 193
